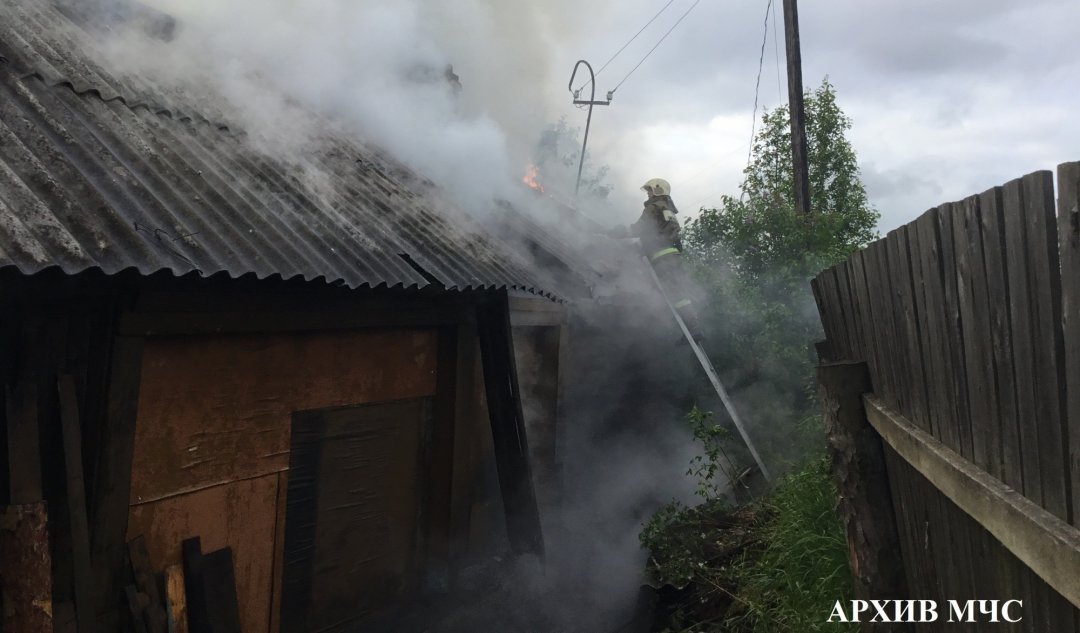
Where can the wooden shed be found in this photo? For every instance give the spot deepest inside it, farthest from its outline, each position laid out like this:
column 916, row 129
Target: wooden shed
column 320, row 385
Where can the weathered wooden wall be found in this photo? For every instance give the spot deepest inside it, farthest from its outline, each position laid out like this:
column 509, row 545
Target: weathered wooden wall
column 184, row 392
column 967, row 318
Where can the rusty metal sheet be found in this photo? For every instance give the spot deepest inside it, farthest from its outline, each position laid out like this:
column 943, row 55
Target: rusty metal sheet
column 26, row 580
column 214, row 409
column 241, row 515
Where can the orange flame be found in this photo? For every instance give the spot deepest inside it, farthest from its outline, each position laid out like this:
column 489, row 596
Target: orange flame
column 530, row 178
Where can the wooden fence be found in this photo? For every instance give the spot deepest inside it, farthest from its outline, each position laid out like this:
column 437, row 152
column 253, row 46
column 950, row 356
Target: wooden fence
column 969, row 321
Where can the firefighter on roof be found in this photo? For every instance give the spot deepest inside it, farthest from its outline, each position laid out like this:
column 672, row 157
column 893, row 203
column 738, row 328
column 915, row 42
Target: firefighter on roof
column 659, row 232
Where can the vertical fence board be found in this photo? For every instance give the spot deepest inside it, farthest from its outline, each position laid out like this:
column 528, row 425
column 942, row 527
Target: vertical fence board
column 870, row 342
column 978, row 352
column 1022, row 345
column 937, row 351
column 838, row 298
column 1039, row 216
column 918, row 288
column 900, row 266
column 852, row 312
column 1069, row 237
column 880, row 289
column 992, row 224
column 832, row 290
column 1045, row 286
column 954, row 332
column 898, row 344
column 904, row 505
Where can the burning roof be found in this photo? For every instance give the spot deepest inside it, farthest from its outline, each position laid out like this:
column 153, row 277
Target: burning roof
column 106, row 169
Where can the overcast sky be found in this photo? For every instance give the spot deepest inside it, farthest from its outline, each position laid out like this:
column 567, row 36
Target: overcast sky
column 948, row 97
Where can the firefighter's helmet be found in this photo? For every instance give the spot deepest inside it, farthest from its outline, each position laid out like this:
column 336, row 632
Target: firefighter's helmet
column 657, row 187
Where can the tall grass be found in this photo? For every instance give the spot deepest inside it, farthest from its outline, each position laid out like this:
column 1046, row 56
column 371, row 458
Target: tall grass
column 790, row 581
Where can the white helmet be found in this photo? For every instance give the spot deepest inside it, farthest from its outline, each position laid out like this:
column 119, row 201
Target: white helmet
column 657, row 187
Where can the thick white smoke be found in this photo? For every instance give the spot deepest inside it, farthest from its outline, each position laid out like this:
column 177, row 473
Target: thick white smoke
column 379, row 67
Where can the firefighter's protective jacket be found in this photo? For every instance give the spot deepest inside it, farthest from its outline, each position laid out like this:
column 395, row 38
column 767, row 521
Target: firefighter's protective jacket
column 657, row 227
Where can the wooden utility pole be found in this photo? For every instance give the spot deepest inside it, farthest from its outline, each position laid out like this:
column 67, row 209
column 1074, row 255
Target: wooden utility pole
column 795, row 105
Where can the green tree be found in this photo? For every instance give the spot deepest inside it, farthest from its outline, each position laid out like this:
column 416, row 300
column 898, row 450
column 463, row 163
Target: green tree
column 755, row 254
column 760, row 232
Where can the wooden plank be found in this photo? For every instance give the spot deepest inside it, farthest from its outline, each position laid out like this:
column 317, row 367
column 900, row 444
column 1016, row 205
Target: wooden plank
column 76, row 498
column 835, row 302
column 467, row 421
column 933, row 318
column 1020, row 313
column 508, row 426
column 113, row 482
column 979, row 367
column 535, row 304
column 843, row 308
column 194, row 587
column 153, row 612
column 1045, row 287
column 536, row 319
column 280, row 503
column 1039, row 216
column 852, row 313
column 294, row 320
column 26, row 561
column 992, row 225
column 823, row 297
column 896, row 333
column 441, row 447
column 24, row 454
column 974, row 311
column 820, row 302
column 996, row 261
column 1045, row 543
column 907, row 525
column 923, row 245
column 868, row 324
column 954, row 332
column 176, row 599
column 219, row 583
column 1069, row 240
column 900, row 265
column 884, row 309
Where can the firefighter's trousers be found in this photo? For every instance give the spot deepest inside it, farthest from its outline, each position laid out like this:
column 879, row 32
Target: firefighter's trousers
column 668, row 264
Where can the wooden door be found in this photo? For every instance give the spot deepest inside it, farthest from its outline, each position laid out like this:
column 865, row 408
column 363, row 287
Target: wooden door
column 353, row 515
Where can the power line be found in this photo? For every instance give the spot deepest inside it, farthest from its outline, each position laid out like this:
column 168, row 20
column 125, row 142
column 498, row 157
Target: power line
column 757, row 86
column 769, row 8
column 776, row 56
column 642, row 30
column 657, row 45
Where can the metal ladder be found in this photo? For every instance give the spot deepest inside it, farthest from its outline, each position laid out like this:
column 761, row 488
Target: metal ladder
column 710, row 371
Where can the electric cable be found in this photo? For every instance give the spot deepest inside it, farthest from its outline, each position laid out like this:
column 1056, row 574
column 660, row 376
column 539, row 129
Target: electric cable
column 642, row 30
column 776, row 55
column 677, row 22
column 757, row 88
column 757, row 85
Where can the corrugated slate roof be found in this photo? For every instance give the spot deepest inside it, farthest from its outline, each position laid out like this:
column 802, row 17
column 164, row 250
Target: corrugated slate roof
column 107, row 170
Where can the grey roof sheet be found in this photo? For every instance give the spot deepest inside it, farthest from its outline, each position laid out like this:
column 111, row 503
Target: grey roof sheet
column 106, row 170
